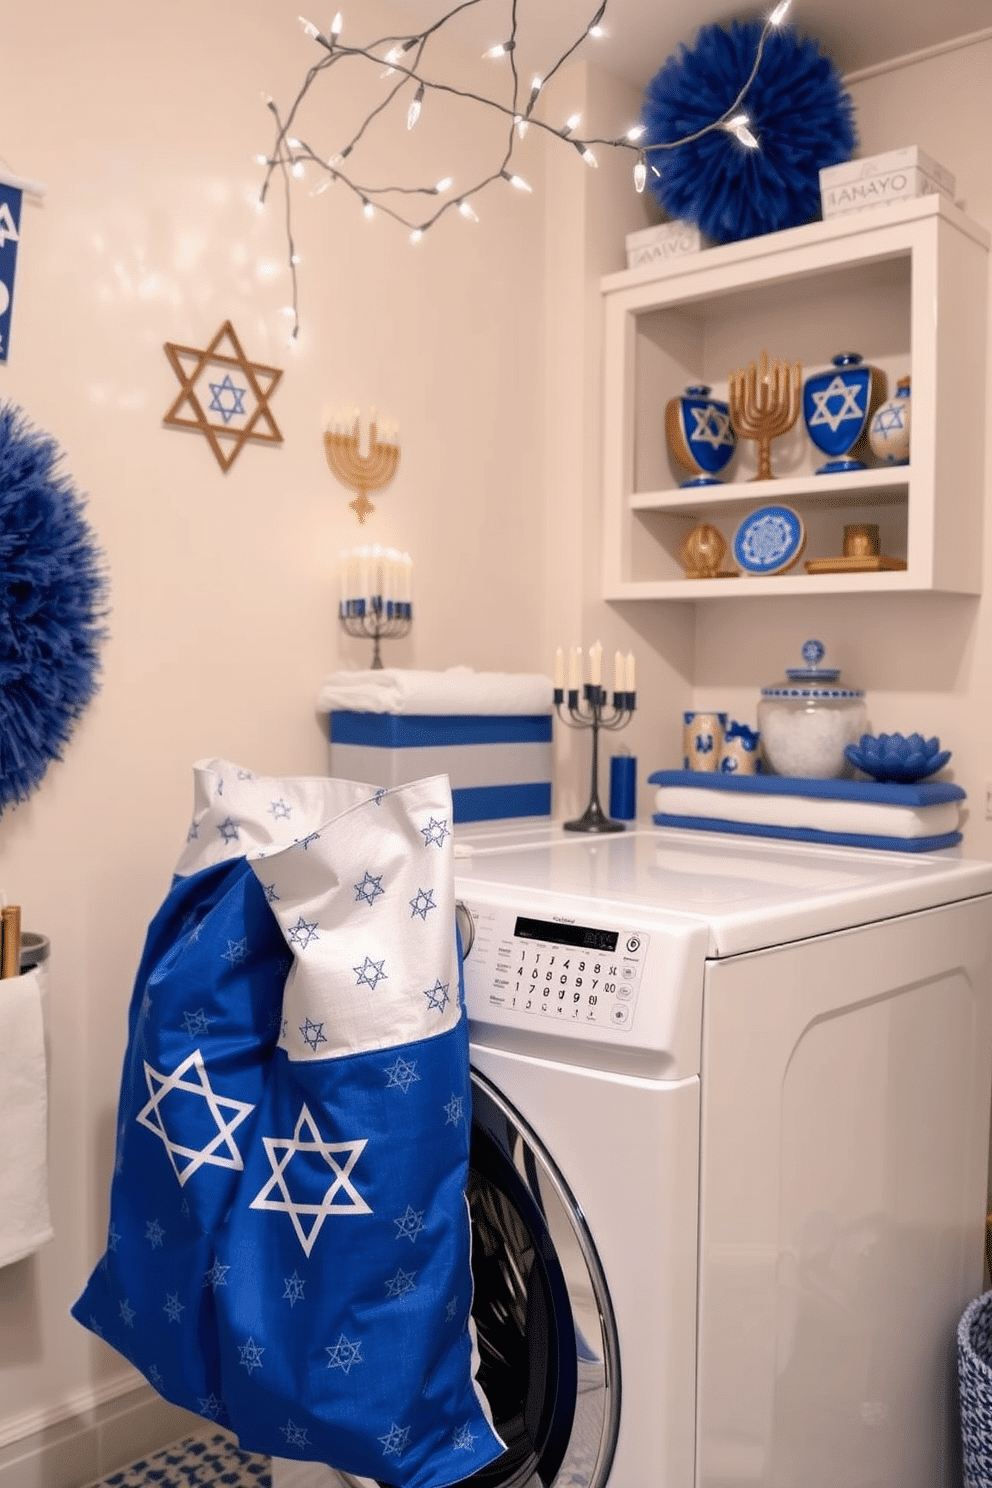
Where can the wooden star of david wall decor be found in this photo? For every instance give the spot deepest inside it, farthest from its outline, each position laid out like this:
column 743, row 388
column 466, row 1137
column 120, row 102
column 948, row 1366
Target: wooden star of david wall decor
column 224, row 395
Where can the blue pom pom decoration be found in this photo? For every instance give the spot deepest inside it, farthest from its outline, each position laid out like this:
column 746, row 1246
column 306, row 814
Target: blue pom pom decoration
column 52, row 600
column 796, row 107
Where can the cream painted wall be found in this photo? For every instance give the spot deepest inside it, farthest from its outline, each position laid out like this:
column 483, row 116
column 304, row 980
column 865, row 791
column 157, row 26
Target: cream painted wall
column 925, row 662
column 143, row 126
column 483, row 344
column 588, row 215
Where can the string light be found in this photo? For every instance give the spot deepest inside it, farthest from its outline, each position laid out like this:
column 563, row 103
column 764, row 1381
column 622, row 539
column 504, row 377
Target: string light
column 399, row 51
column 403, row 59
column 413, row 112
column 737, row 126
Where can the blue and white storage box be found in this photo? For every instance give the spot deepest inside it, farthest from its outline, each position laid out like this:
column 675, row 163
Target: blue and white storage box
column 489, row 732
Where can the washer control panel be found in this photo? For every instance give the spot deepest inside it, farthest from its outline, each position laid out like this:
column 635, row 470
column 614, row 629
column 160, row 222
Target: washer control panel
column 553, row 969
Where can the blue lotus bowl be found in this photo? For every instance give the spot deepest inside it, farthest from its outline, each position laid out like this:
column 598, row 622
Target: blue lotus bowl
column 897, row 757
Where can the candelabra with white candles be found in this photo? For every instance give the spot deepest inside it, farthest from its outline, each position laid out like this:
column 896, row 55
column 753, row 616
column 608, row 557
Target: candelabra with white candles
column 374, row 599
column 586, row 706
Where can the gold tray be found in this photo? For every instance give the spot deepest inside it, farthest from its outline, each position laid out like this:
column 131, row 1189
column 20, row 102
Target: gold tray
column 873, row 563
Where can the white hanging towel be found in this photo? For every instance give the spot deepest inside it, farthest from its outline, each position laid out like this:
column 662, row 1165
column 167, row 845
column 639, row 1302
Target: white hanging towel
column 459, row 690
column 25, row 1222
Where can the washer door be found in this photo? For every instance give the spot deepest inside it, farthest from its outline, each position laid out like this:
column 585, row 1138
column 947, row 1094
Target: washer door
column 547, row 1338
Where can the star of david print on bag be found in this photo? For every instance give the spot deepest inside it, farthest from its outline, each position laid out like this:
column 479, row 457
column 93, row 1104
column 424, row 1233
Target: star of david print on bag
column 202, row 1026
column 316, row 1146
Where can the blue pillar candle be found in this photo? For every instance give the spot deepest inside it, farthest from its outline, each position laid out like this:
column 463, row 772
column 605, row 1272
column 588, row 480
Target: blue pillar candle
column 623, row 787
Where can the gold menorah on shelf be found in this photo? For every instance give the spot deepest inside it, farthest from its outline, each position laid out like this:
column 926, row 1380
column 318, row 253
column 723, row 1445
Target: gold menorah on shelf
column 361, row 473
column 764, row 405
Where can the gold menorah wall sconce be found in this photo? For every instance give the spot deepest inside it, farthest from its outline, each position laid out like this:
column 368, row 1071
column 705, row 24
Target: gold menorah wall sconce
column 361, row 473
column 764, row 405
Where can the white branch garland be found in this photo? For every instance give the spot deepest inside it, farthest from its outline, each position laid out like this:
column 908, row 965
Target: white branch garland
column 404, row 56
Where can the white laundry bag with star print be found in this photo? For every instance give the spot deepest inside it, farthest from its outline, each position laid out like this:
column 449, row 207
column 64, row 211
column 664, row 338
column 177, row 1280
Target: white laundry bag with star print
column 289, row 1243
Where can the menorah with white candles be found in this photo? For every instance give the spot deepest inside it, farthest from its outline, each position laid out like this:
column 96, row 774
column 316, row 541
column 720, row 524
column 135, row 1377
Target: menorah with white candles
column 587, row 707
column 374, row 599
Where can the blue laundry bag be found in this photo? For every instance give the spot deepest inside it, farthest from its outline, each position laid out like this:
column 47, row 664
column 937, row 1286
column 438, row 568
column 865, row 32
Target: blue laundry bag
column 289, row 1247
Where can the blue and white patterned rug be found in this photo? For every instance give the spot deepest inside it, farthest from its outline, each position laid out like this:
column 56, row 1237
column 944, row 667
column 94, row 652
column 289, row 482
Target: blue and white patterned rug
column 214, row 1462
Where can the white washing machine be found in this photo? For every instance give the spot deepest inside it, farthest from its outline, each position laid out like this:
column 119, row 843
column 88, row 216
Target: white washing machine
column 729, row 1177
column 729, row 1163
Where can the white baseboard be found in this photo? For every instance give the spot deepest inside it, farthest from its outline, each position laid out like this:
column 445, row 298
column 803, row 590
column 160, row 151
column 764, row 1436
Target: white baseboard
column 90, row 1434
column 72, row 1407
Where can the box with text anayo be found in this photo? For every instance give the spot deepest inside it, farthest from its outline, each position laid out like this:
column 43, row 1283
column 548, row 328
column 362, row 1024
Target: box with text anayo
column 895, row 176
column 655, row 245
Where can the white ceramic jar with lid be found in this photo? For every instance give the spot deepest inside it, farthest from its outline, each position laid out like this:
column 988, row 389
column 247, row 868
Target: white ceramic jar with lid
column 807, row 720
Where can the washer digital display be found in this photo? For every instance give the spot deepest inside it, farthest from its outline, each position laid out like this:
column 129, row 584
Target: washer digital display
column 584, row 937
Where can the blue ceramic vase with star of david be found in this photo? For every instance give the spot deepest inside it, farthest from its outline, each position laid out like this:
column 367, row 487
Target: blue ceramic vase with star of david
column 837, row 408
column 700, row 436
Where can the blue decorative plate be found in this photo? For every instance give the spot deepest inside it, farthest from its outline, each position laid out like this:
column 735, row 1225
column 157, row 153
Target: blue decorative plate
column 770, row 540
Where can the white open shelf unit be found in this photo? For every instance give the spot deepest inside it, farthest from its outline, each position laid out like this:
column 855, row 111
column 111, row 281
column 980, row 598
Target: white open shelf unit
column 905, row 285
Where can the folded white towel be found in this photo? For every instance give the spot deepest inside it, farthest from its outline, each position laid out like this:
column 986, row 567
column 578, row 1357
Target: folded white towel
column 25, row 1222
column 865, row 818
column 458, row 690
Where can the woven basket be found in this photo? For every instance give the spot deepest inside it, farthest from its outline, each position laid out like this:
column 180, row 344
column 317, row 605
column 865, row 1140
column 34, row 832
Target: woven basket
column 975, row 1387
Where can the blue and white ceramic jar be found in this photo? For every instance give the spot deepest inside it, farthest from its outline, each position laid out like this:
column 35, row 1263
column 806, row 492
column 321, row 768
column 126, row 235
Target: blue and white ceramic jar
column 740, row 752
column 838, row 406
column 888, row 432
column 702, row 740
column 699, row 435
column 808, row 720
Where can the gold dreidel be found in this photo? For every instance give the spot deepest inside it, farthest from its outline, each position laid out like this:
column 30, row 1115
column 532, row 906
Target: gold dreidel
column 702, row 553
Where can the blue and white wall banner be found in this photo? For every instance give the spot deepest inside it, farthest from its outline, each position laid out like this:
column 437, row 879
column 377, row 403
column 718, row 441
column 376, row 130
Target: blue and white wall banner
column 10, row 236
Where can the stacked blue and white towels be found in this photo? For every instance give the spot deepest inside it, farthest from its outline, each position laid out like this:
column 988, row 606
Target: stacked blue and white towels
column 923, row 817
